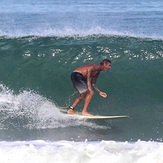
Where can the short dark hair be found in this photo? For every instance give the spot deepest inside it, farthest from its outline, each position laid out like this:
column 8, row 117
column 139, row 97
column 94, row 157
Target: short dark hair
column 105, row 61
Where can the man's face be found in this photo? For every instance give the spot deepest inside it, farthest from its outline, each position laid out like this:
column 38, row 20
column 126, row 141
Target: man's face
column 107, row 66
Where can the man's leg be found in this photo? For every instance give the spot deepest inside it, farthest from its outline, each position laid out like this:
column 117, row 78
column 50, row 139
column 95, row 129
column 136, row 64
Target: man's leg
column 76, row 102
column 88, row 98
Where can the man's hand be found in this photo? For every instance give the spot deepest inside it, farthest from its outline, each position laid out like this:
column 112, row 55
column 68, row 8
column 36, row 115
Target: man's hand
column 103, row 94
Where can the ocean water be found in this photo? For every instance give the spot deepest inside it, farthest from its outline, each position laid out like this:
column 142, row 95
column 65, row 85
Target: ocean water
column 42, row 42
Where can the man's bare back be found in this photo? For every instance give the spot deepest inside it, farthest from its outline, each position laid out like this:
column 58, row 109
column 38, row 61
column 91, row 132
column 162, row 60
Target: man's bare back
column 92, row 68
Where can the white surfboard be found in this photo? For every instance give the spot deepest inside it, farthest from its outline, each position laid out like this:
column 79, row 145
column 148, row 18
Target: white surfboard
column 97, row 116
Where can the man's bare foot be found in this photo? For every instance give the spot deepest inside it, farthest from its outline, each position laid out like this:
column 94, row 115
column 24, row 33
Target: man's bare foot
column 70, row 111
column 87, row 114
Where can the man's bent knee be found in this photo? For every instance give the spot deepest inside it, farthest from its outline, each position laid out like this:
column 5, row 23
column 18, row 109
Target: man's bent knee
column 82, row 96
column 91, row 93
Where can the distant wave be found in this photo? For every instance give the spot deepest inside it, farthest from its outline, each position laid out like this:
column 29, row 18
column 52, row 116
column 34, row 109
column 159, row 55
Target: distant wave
column 72, row 32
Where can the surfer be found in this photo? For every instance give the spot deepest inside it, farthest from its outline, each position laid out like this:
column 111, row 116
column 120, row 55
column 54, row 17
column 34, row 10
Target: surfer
column 84, row 79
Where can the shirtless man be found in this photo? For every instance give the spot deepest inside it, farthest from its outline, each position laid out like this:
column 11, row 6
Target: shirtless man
column 84, row 79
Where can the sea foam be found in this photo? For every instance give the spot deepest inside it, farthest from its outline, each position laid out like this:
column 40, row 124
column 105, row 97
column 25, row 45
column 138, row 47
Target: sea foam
column 81, row 152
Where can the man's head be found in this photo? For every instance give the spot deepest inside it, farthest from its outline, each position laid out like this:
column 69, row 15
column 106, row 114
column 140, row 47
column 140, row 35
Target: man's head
column 105, row 64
